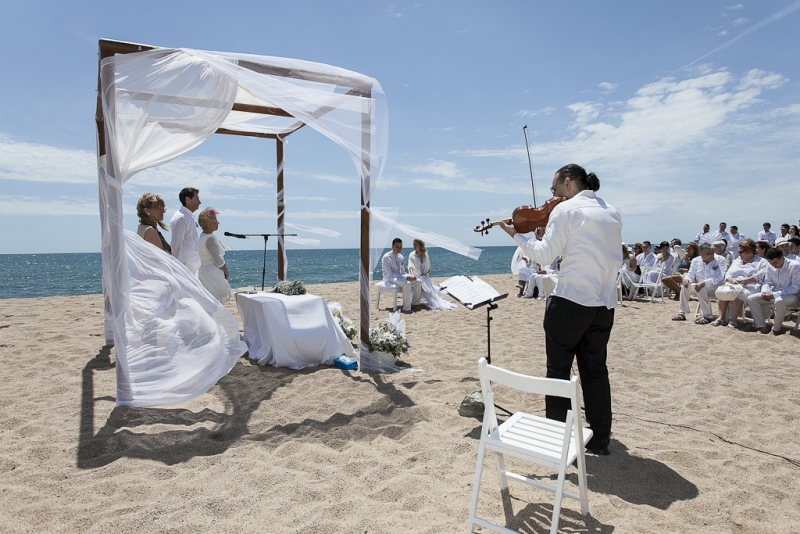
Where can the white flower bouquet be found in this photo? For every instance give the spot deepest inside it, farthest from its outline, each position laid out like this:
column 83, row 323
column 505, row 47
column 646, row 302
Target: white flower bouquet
column 389, row 336
column 347, row 326
column 290, row 287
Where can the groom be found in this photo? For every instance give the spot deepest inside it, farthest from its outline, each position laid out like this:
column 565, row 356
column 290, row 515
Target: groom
column 394, row 274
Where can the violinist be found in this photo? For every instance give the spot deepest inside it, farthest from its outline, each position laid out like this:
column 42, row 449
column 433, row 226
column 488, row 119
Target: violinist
column 586, row 232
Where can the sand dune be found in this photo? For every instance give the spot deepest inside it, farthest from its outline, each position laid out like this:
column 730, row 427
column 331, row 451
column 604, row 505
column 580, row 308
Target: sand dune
column 704, row 436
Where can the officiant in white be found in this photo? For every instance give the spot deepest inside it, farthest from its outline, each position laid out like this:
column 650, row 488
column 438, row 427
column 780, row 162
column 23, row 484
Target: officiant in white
column 419, row 266
column 394, row 274
column 213, row 273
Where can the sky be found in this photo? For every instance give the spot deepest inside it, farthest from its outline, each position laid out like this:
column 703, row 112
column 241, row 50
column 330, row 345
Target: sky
column 687, row 111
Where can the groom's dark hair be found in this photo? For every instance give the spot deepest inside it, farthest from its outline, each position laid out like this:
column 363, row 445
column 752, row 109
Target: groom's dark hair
column 397, row 240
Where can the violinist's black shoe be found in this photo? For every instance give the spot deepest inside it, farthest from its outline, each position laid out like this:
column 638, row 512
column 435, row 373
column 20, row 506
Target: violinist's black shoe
column 599, row 451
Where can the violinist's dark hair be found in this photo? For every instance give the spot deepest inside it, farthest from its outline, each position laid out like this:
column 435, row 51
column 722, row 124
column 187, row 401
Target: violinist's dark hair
column 577, row 174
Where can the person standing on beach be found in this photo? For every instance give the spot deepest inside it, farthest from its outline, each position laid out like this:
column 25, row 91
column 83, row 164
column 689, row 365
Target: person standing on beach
column 586, row 232
column 184, row 230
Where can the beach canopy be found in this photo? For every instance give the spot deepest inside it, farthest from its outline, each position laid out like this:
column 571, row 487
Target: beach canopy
column 155, row 104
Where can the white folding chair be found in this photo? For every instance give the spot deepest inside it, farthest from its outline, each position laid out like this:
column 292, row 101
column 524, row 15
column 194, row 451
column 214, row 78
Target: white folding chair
column 383, row 288
column 533, row 438
column 650, row 288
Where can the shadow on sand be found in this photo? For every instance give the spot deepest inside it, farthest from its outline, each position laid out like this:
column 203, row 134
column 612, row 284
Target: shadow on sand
column 242, row 391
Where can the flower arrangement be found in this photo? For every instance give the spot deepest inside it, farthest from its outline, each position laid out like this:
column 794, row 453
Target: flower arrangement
column 347, row 326
column 287, row 287
column 387, row 337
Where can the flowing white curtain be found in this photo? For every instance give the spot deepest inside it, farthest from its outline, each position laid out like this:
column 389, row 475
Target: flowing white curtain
column 173, row 340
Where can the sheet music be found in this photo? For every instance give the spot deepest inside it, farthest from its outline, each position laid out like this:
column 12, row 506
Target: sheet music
column 470, row 291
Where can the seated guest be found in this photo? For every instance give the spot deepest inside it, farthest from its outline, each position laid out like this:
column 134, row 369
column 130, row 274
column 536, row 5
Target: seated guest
column 766, row 235
column 394, row 274
column 761, row 249
column 646, row 258
column 780, row 289
column 705, row 275
column 784, row 230
column 675, row 243
column 721, row 249
column 628, row 271
column 785, row 246
column 794, row 232
column 664, row 261
column 213, row 272
column 544, row 280
column 151, row 209
column 674, row 282
column 733, row 244
column 746, row 271
column 419, row 266
column 525, row 269
column 637, row 249
column 794, row 245
column 705, row 236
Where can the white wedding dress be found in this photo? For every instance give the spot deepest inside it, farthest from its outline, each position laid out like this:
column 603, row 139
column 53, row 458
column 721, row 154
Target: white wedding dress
column 421, row 269
column 212, row 258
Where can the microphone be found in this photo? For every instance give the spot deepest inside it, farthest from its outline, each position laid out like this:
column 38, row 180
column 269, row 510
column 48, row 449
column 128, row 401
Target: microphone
column 237, row 236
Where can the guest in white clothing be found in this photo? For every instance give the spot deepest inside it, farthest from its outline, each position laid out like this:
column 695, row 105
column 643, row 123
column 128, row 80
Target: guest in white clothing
column 213, row 272
column 781, row 289
column 628, row 271
column 733, row 244
column 646, row 258
column 722, row 234
column 785, row 246
column 544, row 280
column 785, row 230
column 747, row 272
column 705, row 236
column 184, row 230
column 419, row 266
column 664, row 261
column 394, row 274
column 151, row 209
column 766, row 235
column 705, row 275
column 721, row 249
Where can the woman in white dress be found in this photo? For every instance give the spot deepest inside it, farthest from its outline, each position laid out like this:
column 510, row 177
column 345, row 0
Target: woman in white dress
column 213, row 273
column 419, row 265
column 628, row 270
column 746, row 272
column 151, row 210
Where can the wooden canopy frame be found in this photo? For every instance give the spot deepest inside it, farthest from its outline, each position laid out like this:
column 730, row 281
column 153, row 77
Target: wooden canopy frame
column 109, row 48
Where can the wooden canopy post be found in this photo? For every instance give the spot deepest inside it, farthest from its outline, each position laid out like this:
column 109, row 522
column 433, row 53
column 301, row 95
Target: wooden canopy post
column 365, row 274
column 281, row 208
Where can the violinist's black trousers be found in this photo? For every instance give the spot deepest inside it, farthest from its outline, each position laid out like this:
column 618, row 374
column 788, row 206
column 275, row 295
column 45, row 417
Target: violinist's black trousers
column 582, row 332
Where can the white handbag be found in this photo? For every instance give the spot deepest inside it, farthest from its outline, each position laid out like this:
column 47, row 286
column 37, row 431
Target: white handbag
column 728, row 292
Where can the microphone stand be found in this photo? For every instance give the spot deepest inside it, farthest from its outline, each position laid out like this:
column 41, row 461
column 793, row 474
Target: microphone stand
column 266, row 237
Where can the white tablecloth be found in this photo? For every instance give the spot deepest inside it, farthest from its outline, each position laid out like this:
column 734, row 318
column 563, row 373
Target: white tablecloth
column 291, row 331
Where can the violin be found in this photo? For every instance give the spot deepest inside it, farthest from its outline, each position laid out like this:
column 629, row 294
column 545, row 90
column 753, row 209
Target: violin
column 525, row 219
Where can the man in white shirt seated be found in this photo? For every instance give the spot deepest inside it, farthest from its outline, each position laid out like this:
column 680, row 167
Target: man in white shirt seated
column 733, row 242
column 646, row 258
column 184, row 239
column 766, row 235
column 783, row 244
column 394, row 274
column 705, row 236
column 706, row 274
column 722, row 234
column 781, row 289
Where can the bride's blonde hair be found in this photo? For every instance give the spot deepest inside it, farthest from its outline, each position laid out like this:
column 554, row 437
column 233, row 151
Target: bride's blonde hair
column 422, row 248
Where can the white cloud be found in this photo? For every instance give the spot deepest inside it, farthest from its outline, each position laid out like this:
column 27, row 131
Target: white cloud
column 391, row 11
column 334, row 178
column 740, row 20
column 737, row 6
column 544, row 111
column 315, row 199
column 584, row 112
column 607, row 87
column 32, row 205
column 723, row 33
column 445, row 169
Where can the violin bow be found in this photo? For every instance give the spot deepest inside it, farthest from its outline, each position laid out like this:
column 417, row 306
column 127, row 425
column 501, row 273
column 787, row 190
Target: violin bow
column 530, row 165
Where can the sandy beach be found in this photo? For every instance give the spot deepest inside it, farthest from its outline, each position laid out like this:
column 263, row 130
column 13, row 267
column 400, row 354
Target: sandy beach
column 704, row 436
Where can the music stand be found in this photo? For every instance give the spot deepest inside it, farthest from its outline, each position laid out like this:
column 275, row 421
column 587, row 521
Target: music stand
column 266, row 237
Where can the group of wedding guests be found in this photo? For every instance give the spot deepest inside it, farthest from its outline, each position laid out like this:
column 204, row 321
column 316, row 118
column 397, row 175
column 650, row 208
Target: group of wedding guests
column 763, row 274
column 201, row 253
column 415, row 283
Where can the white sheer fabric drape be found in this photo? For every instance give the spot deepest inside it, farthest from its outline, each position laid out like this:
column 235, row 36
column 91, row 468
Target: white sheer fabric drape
column 173, row 340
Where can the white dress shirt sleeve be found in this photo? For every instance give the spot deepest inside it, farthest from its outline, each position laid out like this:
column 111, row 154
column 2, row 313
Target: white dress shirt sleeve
column 214, row 248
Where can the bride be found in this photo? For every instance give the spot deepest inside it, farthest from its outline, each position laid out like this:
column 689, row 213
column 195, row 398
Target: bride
column 419, row 265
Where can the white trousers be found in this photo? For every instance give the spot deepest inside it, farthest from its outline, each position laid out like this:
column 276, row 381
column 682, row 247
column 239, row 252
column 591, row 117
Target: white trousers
column 760, row 309
column 412, row 291
column 704, row 296
column 525, row 273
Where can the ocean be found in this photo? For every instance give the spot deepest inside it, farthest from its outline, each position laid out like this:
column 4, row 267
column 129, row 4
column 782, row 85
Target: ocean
column 47, row 275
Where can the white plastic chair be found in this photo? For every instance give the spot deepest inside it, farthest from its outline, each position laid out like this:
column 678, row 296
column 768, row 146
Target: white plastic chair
column 654, row 287
column 533, row 438
column 383, row 288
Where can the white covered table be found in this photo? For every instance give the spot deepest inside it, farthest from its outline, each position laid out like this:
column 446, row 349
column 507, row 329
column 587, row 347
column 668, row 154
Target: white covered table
column 291, row 331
